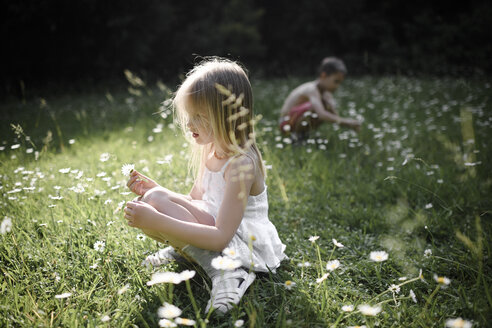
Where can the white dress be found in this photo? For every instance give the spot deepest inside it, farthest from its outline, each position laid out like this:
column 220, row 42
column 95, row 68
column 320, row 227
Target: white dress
column 256, row 242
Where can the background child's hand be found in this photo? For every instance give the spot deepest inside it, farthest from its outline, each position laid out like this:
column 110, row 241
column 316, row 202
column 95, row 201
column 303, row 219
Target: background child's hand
column 353, row 124
column 139, row 183
column 139, row 214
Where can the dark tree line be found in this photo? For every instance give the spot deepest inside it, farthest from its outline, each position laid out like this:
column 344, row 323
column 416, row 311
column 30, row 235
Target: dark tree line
column 94, row 40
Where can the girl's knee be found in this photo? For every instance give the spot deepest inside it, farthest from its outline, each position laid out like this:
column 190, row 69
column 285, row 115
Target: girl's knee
column 156, row 197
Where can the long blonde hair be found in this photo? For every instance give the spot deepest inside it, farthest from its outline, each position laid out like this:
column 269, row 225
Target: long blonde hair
column 220, row 90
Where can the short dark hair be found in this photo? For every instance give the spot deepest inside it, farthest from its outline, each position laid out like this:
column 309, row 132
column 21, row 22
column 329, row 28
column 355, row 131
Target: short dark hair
column 331, row 65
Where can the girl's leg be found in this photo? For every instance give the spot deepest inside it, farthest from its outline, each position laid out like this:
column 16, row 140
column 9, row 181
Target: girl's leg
column 177, row 206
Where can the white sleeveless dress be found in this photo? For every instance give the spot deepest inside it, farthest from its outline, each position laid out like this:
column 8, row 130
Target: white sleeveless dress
column 256, row 242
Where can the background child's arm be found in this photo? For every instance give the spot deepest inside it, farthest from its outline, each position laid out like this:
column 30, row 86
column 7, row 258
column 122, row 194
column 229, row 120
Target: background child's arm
column 331, row 117
column 329, row 102
column 239, row 179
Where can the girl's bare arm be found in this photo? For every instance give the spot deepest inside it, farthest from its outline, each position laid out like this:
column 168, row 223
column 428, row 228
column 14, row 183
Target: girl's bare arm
column 239, row 179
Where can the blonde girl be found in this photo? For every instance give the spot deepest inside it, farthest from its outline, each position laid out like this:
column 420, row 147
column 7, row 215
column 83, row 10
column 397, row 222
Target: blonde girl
column 227, row 207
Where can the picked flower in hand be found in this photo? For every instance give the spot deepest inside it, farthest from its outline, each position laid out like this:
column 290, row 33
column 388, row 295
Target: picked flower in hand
column 126, row 169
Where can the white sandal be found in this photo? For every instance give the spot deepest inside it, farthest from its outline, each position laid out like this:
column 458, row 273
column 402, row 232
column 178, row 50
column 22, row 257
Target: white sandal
column 228, row 288
column 163, row 256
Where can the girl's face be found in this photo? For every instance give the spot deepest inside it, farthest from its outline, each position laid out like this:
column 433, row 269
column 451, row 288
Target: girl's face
column 200, row 128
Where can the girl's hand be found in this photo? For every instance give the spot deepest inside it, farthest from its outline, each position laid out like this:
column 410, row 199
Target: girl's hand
column 140, row 214
column 139, row 183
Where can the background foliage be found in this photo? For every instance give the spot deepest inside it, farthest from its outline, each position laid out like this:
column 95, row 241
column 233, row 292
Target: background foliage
column 92, row 40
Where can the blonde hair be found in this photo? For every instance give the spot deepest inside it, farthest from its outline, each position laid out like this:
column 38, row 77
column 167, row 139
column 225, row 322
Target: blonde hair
column 220, row 92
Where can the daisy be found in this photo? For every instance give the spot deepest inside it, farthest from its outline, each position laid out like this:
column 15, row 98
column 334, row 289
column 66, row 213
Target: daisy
column 428, row 253
column 6, row 225
column 184, row 321
column 395, row 289
column 165, row 277
column 337, row 244
column 304, row 264
column 105, row 318
column 229, row 252
column 225, row 263
column 166, row 323
column 348, row 308
column 369, row 310
column 123, row 289
column 413, row 296
column 104, row 157
column 289, row 284
column 313, row 238
column 64, row 295
column 126, row 169
column 187, row 275
column 442, row 280
column 323, row 278
column 239, row 323
column 378, row 256
column 458, row 323
column 168, row 311
column 363, row 326
column 99, row 246
column 332, row 265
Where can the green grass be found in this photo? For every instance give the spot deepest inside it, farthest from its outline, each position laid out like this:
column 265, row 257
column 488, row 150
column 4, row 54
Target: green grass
column 409, row 181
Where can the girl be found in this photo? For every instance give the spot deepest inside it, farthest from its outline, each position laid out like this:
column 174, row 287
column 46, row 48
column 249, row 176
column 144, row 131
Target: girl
column 227, row 206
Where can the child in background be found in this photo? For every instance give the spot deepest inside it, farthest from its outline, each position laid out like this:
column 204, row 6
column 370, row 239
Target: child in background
column 312, row 103
column 227, row 206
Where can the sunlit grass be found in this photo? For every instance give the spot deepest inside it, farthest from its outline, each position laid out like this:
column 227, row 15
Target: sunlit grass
column 414, row 183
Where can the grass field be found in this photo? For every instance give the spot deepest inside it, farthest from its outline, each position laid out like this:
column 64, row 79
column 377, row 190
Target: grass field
column 415, row 183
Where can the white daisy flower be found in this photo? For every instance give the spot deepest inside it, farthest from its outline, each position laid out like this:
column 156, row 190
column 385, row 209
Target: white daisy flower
column 366, row 309
column 165, row 277
column 323, row 278
column 229, row 252
column 225, row 263
column 337, row 244
column 332, row 265
column 6, row 225
column 99, row 246
column 458, row 323
column 289, row 284
column 126, row 169
column 394, row 289
column 348, row 308
column 104, row 157
column 168, row 311
column 64, row 295
column 442, row 280
column 428, row 253
column 239, row 323
column 123, row 289
column 413, row 296
column 378, row 256
column 166, row 323
column 187, row 275
column 105, row 318
column 184, row 321
column 313, row 238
